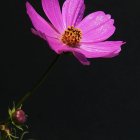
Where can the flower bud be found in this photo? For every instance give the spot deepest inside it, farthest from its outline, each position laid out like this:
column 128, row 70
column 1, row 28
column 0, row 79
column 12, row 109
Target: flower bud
column 19, row 116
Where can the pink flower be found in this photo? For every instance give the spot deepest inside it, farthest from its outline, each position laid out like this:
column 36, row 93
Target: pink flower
column 69, row 32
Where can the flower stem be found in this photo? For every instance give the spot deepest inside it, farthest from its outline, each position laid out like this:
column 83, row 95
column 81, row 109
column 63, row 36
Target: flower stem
column 39, row 83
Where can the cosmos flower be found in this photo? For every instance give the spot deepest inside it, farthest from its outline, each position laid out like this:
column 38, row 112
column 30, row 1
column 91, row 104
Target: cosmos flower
column 68, row 31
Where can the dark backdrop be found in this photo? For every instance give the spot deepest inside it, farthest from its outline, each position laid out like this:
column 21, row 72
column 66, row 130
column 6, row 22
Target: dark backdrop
column 101, row 101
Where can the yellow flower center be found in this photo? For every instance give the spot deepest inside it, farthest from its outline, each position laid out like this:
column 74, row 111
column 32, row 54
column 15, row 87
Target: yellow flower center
column 71, row 36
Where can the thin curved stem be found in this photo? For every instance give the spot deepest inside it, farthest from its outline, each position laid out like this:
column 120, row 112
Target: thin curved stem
column 39, row 83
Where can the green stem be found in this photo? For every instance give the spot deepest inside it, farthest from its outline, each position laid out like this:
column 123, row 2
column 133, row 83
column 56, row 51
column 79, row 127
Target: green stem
column 32, row 91
column 39, row 83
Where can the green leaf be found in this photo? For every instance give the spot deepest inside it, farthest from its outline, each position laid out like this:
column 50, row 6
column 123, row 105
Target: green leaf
column 10, row 112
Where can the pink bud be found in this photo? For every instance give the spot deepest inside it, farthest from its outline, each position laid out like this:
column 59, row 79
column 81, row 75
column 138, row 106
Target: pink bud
column 19, row 116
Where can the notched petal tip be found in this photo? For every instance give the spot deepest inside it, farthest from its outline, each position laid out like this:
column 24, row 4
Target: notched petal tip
column 97, row 27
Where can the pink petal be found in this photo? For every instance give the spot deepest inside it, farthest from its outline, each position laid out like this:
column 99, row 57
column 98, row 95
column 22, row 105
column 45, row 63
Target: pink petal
column 101, row 33
column 93, row 21
column 81, row 58
column 56, row 45
column 96, row 27
column 53, row 12
column 72, row 12
column 39, row 23
column 106, row 49
column 81, row 14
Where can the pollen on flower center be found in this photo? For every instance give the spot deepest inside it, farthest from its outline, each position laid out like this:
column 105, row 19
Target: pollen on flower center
column 71, row 36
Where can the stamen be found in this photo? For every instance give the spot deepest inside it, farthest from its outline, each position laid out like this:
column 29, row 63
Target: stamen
column 71, row 36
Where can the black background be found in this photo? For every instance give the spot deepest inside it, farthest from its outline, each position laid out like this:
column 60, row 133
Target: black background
column 96, row 102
